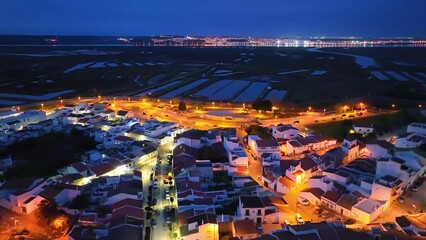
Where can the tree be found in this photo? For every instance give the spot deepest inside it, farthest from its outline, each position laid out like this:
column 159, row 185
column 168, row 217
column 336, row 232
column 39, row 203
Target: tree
column 265, row 105
column 182, row 106
column 47, row 209
column 80, row 202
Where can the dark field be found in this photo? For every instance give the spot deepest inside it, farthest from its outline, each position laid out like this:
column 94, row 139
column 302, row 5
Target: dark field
column 130, row 70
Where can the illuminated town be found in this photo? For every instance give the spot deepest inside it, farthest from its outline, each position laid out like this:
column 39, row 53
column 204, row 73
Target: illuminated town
column 213, row 120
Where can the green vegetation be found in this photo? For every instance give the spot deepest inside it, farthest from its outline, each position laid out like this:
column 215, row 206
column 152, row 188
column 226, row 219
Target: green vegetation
column 43, row 156
column 182, row 106
column 210, row 154
column 259, row 131
column 228, row 208
column 221, row 177
column 343, row 79
column 382, row 124
column 265, row 105
column 80, row 202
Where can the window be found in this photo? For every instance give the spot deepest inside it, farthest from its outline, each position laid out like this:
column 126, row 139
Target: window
column 259, row 212
column 247, row 212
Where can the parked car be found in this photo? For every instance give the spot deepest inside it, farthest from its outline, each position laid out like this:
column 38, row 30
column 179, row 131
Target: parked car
column 333, row 119
column 167, row 196
column 303, row 201
column 299, row 219
column 296, row 122
column 168, row 209
column 155, row 184
column 349, row 221
column 351, row 116
column 401, row 199
column 168, row 219
column 325, row 214
column 343, row 115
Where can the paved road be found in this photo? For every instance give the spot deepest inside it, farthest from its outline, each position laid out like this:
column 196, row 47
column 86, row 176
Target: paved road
column 162, row 231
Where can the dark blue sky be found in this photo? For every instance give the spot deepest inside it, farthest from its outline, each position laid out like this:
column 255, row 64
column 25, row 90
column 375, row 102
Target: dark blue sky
column 215, row 17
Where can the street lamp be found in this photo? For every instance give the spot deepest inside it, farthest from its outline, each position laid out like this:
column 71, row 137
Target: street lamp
column 42, row 105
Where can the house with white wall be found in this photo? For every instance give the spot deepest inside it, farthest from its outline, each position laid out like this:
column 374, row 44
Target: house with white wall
column 363, row 128
column 409, row 140
column 418, row 128
column 21, row 195
column 284, row 132
column 367, row 210
column 380, row 149
column 251, row 207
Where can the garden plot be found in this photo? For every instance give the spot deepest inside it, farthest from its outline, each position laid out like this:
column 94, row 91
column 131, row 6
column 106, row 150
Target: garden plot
column 319, row 72
column 276, row 95
column 295, row 71
column 281, row 54
column 183, row 89
column 210, row 90
column 362, row 61
column 397, row 76
column 228, row 73
column 46, row 96
column 220, row 71
column 230, row 90
column 421, row 74
column 413, row 77
column 111, row 64
column 149, row 92
column 98, row 65
column 252, row 92
column 379, row 75
column 78, row 67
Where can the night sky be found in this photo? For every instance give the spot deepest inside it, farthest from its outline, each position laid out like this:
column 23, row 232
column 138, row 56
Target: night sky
column 269, row 18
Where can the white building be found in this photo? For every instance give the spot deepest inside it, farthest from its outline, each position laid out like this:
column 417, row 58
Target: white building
column 380, row 149
column 418, row 128
column 362, row 128
column 19, row 120
column 367, row 210
column 284, row 132
column 409, row 140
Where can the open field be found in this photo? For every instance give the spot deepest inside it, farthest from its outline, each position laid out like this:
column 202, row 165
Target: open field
column 295, row 75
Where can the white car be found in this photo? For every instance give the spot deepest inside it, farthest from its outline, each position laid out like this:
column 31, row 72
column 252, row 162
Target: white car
column 299, row 219
column 155, row 184
column 167, row 196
